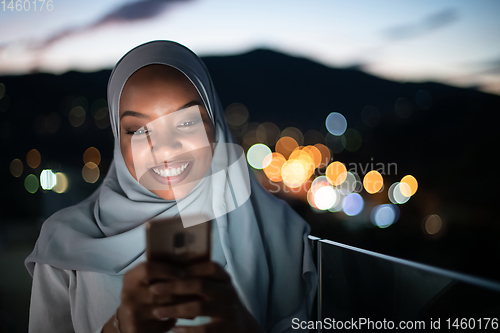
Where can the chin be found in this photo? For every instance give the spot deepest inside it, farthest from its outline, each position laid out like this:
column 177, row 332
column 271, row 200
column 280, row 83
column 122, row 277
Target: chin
column 168, row 194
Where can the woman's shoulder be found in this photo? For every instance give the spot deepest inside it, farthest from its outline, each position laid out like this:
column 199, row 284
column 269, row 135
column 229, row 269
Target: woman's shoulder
column 279, row 214
column 77, row 217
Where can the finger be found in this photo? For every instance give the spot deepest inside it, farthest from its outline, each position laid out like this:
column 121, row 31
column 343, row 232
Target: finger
column 209, row 269
column 213, row 327
column 160, row 325
column 138, row 296
column 156, row 270
column 132, row 318
column 197, row 308
column 205, row 288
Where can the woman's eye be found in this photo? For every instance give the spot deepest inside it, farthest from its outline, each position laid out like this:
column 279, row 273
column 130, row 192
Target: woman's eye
column 139, row 132
column 187, row 123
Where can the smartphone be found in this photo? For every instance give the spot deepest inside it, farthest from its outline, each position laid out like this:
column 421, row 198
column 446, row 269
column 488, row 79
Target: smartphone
column 167, row 240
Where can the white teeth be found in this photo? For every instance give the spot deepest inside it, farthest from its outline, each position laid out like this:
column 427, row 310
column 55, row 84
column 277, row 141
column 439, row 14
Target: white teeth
column 171, row 171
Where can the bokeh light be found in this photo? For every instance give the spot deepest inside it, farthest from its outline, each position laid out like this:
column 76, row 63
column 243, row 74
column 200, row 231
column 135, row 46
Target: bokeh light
column 316, row 184
column 285, row 146
column 312, row 137
column 337, row 207
column 257, row 154
column 320, row 181
column 336, row 123
column 61, row 183
column 433, row 224
column 353, row 204
column 92, row 154
column 101, row 118
column 97, row 105
column 16, row 167
column 273, row 168
column 295, row 133
column 385, row 215
column 80, row 101
column 90, row 172
column 325, row 155
column 300, row 154
column 351, row 140
column 412, row 183
column 31, row 183
column 250, row 137
column 77, row 116
column 395, row 194
column 52, row 122
column 314, row 153
column 48, row 179
column 236, row 114
column 350, row 184
column 294, row 173
column 336, row 173
column 33, row 158
column 373, row 182
column 335, row 143
column 268, row 133
column 325, row 197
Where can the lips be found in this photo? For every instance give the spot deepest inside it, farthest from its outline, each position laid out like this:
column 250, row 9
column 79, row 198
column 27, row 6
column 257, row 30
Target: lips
column 172, row 173
column 168, row 165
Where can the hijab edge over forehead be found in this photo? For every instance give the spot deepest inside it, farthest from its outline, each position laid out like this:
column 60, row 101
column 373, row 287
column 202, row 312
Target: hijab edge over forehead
column 134, row 60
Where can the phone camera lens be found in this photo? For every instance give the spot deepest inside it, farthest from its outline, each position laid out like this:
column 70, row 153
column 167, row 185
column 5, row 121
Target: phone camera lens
column 179, row 240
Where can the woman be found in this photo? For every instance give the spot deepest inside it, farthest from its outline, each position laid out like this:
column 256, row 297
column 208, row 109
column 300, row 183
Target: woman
column 173, row 156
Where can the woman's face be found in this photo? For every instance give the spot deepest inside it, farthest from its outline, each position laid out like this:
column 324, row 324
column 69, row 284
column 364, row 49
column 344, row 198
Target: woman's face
column 166, row 135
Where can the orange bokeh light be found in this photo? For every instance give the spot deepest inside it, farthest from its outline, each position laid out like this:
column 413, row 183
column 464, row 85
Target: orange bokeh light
column 412, row 183
column 325, row 154
column 373, row 182
column 336, row 173
column 273, row 170
column 285, row 146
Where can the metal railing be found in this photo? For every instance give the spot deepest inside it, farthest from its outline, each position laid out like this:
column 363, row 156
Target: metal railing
column 356, row 283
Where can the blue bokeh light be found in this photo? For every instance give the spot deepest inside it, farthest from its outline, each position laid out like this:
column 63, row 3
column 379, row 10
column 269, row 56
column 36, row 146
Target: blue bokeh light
column 353, row 204
column 336, row 123
column 385, row 215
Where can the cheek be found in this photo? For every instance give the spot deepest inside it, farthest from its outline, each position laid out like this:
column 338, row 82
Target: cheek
column 127, row 155
column 199, row 141
column 201, row 150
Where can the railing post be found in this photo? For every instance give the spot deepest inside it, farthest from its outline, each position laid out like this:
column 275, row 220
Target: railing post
column 316, row 253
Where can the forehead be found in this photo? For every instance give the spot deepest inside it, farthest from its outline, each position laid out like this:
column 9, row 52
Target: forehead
column 158, row 85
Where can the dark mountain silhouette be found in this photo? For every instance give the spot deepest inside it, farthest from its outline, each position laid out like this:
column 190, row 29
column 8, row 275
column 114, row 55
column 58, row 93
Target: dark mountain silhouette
column 447, row 140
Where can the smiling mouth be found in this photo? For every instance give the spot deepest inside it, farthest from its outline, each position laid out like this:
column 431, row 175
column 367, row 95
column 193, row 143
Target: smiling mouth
column 178, row 169
column 175, row 173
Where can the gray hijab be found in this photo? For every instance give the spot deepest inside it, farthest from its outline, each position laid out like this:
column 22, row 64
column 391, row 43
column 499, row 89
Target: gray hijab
column 262, row 239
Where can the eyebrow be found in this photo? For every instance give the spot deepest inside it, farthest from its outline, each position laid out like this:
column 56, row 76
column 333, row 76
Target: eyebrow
column 142, row 115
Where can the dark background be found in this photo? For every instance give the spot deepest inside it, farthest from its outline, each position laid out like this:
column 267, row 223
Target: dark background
column 449, row 143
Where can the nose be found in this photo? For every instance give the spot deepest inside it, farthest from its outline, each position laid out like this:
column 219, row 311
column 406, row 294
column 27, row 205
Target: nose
column 164, row 144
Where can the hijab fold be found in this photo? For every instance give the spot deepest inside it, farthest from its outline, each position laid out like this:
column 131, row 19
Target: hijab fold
column 263, row 240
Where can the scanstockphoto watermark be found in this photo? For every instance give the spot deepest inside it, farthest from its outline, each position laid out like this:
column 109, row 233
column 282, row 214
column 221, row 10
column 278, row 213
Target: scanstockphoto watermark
column 353, row 182
column 357, row 324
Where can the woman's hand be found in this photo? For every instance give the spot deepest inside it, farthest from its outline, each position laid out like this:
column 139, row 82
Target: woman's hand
column 212, row 294
column 135, row 313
